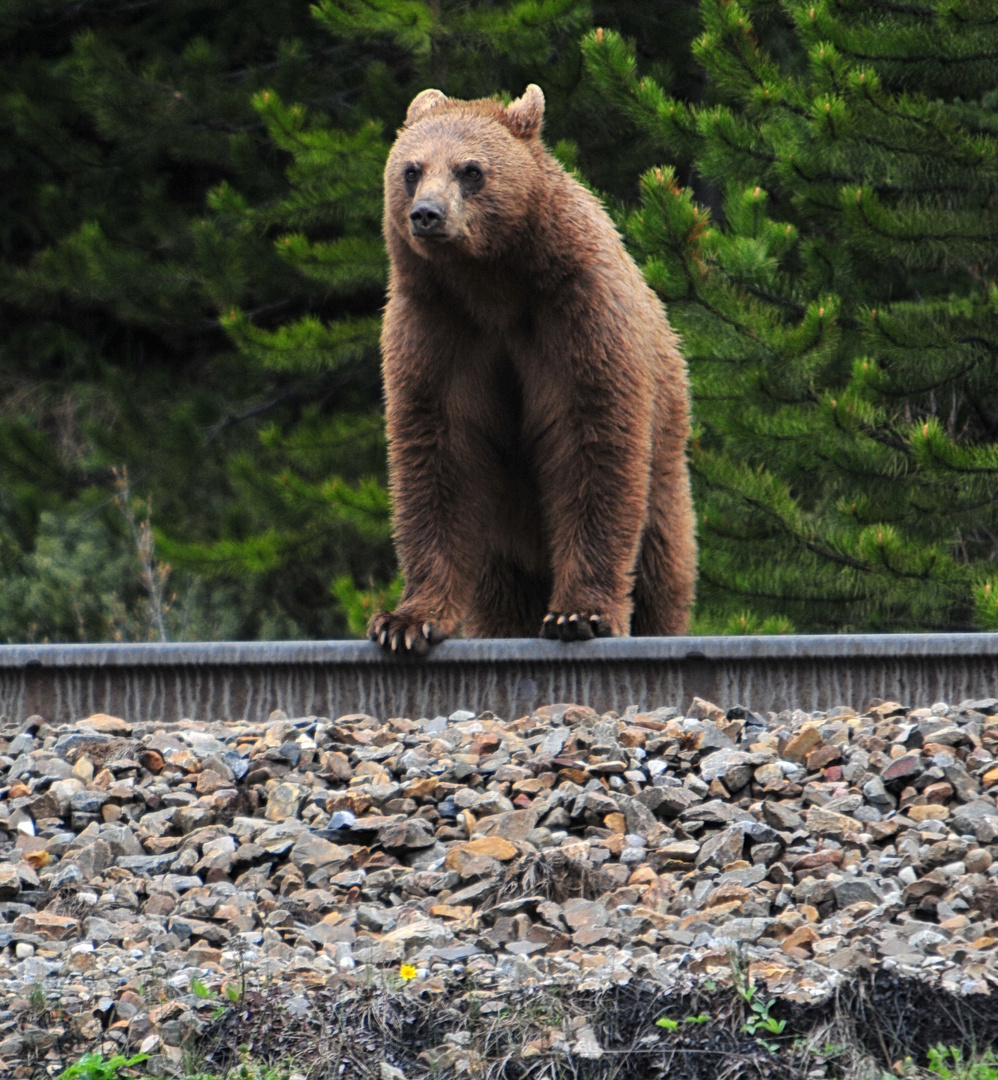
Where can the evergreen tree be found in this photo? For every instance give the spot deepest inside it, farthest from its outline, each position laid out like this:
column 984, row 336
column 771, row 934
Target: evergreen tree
column 838, row 306
column 117, row 121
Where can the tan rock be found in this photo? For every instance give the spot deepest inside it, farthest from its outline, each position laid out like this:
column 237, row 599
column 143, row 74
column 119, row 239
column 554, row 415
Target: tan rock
column 644, row 875
column 513, row 824
column 45, row 925
column 84, row 769
column 494, row 847
column 452, row 911
column 285, row 801
column 633, row 736
column 701, row 709
column 829, row 823
column 107, row 725
column 38, row 860
column 354, row 801
column 990, row 777
column 803, row 936
column 423, row 788
column 614, row 843
column 534, row 785
column 935, row 811
column 730, row 893
column 886, row 709
column 802, row 743
column 210, row 781
column 977, row 860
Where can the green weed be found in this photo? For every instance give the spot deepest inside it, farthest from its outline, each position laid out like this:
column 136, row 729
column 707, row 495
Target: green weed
column 198, row 989
column 94, row 1067
column 948, row 1064
column 672, row 1025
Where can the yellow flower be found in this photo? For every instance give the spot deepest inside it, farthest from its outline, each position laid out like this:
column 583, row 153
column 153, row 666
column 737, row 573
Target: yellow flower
column 407, row 972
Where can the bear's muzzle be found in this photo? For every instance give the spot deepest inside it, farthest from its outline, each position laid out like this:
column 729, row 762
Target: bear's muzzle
column 428, row 219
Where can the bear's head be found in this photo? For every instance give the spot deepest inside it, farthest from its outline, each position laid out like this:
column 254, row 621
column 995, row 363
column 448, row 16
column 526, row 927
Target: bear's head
column 464, row 176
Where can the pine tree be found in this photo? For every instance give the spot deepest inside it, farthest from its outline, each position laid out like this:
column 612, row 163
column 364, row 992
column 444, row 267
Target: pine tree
column 117, row 121
column 837, row 301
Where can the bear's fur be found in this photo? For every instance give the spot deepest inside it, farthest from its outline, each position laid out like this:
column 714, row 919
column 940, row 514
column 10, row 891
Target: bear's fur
column 536, row 397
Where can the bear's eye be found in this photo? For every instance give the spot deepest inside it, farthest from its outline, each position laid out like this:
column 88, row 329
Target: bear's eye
column 472, row 171
column 411, row 174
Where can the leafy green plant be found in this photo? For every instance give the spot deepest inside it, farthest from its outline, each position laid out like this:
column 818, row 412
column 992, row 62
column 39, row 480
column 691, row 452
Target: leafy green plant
column 760, row 1020
column 672, row 1025
column 94, row 1067
column 36, row 998
column 948, row 1064
column 198, row 989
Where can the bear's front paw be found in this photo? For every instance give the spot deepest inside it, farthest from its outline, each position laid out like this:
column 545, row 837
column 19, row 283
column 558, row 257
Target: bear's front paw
column 575, row 626
column 404, row 633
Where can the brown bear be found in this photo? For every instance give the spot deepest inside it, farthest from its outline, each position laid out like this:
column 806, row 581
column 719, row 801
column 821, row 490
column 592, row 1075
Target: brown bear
column 537, row 402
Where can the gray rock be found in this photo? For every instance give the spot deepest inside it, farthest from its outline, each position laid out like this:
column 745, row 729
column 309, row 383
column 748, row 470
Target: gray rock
column 93, row 859
column 722, row 848
column 86, row 802
column 280, row 838
column 966, row 818
column 158, row 822
column 512, row 826
column 722, row 763
column 584, row 914
column 189, row 818
column 715, row 812
column 147, row 864
column 80, row 742
column 640, row 820
column 10, row 881
column 202, row 744
column 310, row 852
column 553, row 741
column 121, row 839
column 285, row 801
column 674, row 801
column 681, row 850
column 854, row 890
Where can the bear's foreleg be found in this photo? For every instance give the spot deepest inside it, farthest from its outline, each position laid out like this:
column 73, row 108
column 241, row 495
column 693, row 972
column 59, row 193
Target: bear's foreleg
column 431, row 495
column 435, row 478
column 593, row 465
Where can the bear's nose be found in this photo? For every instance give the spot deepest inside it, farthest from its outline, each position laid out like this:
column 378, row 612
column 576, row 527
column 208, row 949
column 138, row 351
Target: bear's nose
column 427, row 217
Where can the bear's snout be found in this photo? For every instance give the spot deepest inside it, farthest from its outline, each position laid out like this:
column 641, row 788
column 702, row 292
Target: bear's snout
column 428, row 218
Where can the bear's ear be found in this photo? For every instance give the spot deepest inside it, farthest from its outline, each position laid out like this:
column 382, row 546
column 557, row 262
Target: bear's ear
column 423, row 104
column 524, row 115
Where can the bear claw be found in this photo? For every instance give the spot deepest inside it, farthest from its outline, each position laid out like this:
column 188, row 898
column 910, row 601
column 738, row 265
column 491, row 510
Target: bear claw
column 404, row 634
column 574, row 626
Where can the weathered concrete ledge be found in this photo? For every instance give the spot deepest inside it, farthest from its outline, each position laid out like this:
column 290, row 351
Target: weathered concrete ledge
column 246, row 680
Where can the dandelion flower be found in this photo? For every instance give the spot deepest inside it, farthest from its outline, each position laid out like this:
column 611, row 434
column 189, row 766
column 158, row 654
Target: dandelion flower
column 407, row 972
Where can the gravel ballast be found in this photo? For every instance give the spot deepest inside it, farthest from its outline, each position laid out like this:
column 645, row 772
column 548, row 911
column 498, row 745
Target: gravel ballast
column 160, row 882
